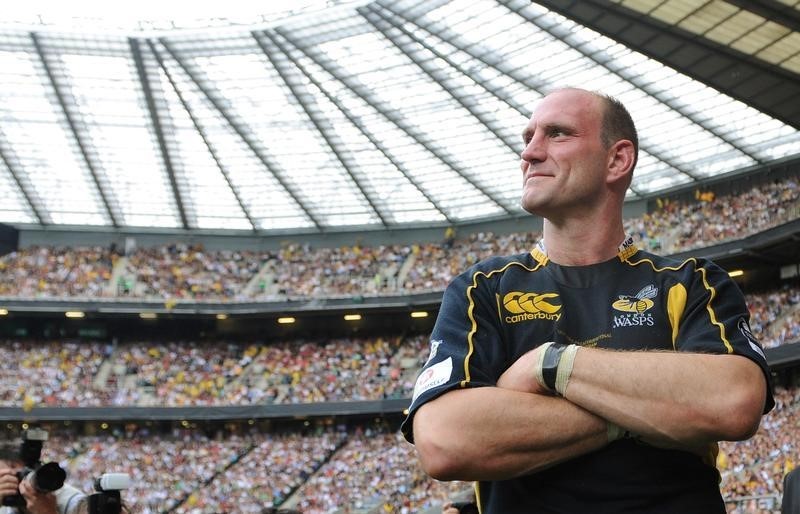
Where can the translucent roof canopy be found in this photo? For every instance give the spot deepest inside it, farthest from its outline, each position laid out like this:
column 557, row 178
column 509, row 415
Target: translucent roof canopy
column 380, row 115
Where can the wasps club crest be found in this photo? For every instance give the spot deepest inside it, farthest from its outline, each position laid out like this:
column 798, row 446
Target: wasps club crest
column 634, row 308
column 638, row 303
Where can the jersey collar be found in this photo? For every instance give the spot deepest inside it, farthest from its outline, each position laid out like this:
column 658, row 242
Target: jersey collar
column 626, row 248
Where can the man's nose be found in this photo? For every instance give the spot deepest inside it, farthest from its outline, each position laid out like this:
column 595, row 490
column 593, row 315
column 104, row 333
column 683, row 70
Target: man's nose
column 534, row 151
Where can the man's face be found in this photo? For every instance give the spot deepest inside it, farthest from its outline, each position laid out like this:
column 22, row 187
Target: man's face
column 564, row 161
column 9, row 485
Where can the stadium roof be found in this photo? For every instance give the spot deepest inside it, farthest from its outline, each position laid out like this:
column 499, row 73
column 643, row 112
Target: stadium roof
column 329, row 116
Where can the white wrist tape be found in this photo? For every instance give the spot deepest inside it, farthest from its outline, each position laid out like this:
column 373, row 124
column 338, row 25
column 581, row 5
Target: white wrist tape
column 565, row 368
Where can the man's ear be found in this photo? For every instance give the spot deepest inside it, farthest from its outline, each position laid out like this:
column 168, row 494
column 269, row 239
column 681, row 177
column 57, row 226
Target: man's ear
column 621, row 159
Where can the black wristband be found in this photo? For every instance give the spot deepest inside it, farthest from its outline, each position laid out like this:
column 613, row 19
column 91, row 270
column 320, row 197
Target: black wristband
column 552, row 356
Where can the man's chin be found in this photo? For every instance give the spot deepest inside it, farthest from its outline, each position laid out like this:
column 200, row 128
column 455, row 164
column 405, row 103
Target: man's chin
column 533, row 208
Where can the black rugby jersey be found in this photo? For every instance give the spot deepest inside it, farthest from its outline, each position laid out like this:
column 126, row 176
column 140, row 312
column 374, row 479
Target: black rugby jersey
column 503, row 307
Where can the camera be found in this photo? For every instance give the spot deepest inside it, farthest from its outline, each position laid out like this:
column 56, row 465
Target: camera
column 44, row 477
column 465, row 507
column 108, row 499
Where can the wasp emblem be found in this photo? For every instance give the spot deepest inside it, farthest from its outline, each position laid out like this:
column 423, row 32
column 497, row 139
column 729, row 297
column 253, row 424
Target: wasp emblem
column 638, row 303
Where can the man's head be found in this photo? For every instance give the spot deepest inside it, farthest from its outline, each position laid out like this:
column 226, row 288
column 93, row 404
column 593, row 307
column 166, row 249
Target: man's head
column 580, row 150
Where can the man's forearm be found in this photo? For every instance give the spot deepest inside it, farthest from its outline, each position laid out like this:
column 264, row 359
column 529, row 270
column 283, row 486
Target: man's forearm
column 680, row 398
column 489, row 433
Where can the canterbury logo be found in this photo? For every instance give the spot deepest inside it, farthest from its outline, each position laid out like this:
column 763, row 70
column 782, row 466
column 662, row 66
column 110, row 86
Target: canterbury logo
column 638, row 303
column 530, row 306
column 530, row 302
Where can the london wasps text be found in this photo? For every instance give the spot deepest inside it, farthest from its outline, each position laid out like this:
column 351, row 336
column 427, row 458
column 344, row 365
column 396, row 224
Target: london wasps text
column 633, row 320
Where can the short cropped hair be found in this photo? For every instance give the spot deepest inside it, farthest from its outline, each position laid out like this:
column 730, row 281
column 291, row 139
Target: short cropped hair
column 618, row 124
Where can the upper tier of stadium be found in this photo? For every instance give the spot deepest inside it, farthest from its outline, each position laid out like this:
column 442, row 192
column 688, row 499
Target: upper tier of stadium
column 300, row 271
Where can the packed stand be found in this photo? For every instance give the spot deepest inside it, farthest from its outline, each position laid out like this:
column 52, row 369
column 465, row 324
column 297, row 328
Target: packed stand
column 315, row 470
column 52, row 373
column 182, row 271
column 376, row 469
column 435, row 264
column 339, row 369
column 775, row 316
column 755, row 468
column 164, row 470
column 175, row 373
column 406, row 363
column 82, row 374
column 53, row 272
column 296, row 271
column 678, row 226
column 302, row 271
column 266, row 476
column 322, row 470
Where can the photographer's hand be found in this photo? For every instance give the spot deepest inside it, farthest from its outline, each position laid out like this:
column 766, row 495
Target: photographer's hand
column 36, row 502
column 449, row 509
column 9, row 485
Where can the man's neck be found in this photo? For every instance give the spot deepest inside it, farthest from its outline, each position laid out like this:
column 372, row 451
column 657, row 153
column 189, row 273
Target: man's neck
column 582, row 243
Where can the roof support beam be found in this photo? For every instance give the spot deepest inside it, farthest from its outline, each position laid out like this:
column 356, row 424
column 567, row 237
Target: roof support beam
column 773, row 11
column 156, row 124
column 24, row 190
column 319, row 124
column 383, row 149
column 73, row 128
column 385, row 23
column 389, row 113
column 202, row 134
column 770, row 89
column 245, row 135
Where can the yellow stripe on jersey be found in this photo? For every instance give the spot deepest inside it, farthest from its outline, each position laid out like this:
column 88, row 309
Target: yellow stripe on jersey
column 676, row 302
column 709, row 288
column 712, row 314
column 471, row 308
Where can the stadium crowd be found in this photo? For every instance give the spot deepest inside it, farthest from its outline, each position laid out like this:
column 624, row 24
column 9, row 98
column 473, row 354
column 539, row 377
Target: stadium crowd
column 754, row 469
column 329, row 468
column 324, row 469
column 187, row 373
column 188, row 272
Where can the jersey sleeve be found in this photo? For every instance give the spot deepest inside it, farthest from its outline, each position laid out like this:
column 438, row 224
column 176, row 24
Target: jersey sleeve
column 716, row 320
column 465, row 346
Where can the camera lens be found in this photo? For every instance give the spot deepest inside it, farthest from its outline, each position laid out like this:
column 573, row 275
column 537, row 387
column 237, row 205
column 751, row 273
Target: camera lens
column 49, row 477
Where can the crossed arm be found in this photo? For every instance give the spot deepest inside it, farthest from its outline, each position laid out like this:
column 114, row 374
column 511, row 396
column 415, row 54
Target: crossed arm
column 679, row 400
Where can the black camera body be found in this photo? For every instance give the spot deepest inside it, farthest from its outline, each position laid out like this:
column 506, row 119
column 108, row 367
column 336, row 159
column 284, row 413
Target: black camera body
column 44, row 477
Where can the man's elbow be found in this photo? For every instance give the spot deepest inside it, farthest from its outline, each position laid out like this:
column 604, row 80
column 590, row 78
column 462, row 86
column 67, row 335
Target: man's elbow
column 742, row 413
column 744, row 419
column 435, row 447
column 436, row 461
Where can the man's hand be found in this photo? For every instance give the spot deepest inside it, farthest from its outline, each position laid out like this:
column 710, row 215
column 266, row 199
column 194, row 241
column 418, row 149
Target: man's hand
column 36, row 502
column 9, row 485
column 521, row 376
